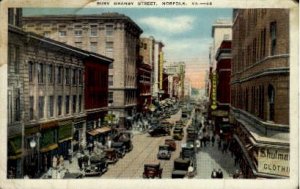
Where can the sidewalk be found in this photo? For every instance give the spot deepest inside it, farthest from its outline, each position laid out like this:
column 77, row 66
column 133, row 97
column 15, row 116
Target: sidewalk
column 210, row 158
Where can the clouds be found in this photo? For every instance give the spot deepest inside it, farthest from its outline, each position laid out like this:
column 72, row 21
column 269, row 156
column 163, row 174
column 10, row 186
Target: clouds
column 171, row 25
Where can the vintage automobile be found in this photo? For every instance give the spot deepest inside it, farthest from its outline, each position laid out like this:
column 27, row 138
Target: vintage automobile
column 111, row 155
column 164, row 152
column 125, row 138
column 69, row 175
column 191, row 133
column 171, row 143
column 152, row 170
column 178, row 133
column 120, row 148
column 180, row 168
column 158, row 131
column 97, row 167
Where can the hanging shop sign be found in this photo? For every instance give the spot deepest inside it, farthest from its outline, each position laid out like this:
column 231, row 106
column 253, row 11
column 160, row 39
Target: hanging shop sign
column 213, row 91
column 274, row 161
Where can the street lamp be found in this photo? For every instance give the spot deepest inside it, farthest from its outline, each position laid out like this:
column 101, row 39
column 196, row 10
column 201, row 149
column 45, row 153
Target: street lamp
column 33, row 143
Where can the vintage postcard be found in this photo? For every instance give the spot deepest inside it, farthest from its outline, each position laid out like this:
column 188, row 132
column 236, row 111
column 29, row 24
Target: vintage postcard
column 149, row 94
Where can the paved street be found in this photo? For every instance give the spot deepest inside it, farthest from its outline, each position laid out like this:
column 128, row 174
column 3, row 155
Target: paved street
column 145, row 150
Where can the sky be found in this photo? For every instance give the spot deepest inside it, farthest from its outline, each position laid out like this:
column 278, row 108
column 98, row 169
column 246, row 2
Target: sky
column 185, row 32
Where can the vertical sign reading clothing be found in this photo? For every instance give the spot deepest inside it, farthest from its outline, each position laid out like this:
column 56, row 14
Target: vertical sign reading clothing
column 214, row 91
column 161, row 69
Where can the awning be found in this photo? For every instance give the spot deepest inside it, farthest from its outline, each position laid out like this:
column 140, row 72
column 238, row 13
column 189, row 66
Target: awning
column 15, row 144
column 65, row 131
column 99, row 131
column 17, row 156
column 49, row 148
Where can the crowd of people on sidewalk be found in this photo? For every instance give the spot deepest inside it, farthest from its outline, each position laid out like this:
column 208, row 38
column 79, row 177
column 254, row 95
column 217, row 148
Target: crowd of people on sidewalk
column 207, row 136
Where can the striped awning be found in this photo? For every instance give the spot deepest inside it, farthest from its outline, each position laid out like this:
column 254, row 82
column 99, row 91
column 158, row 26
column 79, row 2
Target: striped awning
column 99, row 131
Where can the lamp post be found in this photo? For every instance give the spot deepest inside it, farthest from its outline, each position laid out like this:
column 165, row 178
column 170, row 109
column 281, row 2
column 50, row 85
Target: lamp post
column 35, row 142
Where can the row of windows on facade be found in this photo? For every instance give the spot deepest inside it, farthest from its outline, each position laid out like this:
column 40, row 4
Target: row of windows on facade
column 109, row 47
column 78, row 32
column 257, row 50
column 76, row 107
column 240, row 99
column 52, row 73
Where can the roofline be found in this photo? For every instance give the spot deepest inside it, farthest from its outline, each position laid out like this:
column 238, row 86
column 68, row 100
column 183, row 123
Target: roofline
column 86, row 16
column 60, row 44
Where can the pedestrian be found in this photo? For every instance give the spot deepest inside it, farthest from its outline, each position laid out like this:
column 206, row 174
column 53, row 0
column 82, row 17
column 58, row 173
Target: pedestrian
column 236, row 174
column 61, row 160
column 219, row 174
column 214, row 174
column 45, row 163
column 213, row 140
column 198, row 145
column 70, row 155
column 54, row 162
column 223, row 147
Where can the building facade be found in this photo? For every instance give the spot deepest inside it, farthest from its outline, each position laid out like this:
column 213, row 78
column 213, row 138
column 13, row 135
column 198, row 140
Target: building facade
column 176, row 77
column 220, row 114
column 158, row 70
column 46, row 91
column 221, row 30
column 111, row 34
column 96, row 97
column 260, row 91
column 145, row 73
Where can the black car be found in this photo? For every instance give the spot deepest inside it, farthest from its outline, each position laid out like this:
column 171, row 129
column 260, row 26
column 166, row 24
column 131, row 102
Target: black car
column 120, row 147
column 158, row 131
column 97, row 167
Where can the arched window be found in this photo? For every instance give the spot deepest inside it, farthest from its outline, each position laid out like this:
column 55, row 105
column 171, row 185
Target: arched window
column 271, row 101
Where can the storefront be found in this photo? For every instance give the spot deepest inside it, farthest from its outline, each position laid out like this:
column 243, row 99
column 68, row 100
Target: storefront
column 99, row 135
column 48, row 144
column 14, row 157
column 79, row 133
column 65, row 136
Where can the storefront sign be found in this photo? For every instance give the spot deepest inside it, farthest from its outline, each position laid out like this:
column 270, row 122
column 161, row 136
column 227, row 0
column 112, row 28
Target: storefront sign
column 274, row 161
column 214, row 91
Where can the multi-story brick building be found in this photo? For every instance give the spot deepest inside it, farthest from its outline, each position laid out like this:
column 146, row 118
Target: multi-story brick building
column 158, row 69
column 111, row 34
column 223, row 72
column 46, row 112
column 260, row 91
column 96, row 97
column 176, row 72
column 145, row 74
column 221, row 30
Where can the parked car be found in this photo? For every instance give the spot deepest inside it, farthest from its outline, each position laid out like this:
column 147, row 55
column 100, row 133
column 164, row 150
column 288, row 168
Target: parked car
column 177, row 133
column 158, row 131
column 97, row 167
column 180, row 168
column 111, row 155
column 120, row 148
column 69, row 175
column 125, row 138
column 152, row 170
column 164, row 152
column 171, row 143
